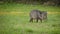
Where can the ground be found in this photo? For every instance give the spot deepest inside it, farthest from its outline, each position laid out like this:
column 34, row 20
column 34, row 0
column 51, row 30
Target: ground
column 14, row 19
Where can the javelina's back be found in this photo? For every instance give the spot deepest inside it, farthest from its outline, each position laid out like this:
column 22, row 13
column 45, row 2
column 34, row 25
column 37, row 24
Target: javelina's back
column 34, row 14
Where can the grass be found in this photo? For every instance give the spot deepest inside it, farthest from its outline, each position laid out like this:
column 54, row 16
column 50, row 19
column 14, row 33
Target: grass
column 26, row 8
column 13, row 23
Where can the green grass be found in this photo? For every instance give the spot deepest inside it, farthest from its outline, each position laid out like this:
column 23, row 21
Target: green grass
column 26, row 8
column 19, row 23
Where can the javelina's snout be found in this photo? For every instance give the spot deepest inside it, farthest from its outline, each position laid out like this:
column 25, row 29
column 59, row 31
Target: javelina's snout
column 44, row 15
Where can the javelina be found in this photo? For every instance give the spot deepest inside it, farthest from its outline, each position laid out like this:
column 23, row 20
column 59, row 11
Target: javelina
column 35, row 14
column 38, row 15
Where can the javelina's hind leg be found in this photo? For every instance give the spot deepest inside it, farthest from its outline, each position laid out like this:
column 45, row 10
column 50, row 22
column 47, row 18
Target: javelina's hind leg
column 41, row 20
column 31, row 19
column 37, row 20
